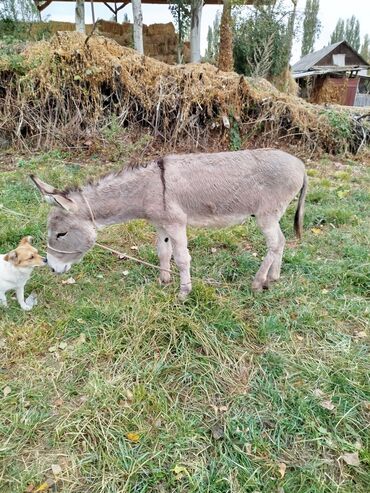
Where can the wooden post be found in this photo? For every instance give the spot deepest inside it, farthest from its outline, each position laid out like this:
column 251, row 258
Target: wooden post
column 138, row 26
column 80, row 16
column 225, row 54
column 196, row 17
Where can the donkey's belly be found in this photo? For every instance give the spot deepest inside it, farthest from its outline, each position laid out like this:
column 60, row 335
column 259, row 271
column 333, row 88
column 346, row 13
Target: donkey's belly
column 216, row 221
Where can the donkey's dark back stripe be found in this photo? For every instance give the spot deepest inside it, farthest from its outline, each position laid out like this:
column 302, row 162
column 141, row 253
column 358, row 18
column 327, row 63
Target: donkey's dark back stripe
column 160, row 163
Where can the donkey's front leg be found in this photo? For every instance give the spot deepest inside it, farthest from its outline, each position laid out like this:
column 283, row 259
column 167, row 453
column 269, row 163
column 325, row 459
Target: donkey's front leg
column 181, row 255
column 164, row 249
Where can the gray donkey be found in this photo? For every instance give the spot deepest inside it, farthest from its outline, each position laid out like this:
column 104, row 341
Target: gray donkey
column 220, row 189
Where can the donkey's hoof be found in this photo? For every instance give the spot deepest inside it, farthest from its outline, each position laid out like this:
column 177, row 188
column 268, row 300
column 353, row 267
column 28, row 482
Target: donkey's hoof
column 184, row 293
column 164, row 278
column 257, row 286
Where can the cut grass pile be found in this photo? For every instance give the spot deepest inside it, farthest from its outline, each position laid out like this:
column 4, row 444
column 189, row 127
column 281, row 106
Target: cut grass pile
column 66, row 91
column 112, row 385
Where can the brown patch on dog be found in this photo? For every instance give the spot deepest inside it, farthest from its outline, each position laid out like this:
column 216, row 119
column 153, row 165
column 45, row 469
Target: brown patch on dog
column 25, row 255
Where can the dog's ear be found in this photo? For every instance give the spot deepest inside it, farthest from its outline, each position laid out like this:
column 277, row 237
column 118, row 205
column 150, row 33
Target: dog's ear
column 25, row 240
column 54, row 196
column 11, row 257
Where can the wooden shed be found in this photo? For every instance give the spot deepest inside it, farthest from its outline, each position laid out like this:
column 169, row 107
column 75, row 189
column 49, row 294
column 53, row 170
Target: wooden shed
column 330, row 75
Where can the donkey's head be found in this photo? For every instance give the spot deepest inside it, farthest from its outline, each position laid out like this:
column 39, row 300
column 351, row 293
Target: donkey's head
column 71, row 232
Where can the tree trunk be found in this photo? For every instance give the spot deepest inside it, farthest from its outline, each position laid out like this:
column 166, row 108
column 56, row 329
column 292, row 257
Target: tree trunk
column 138, row 26
column 225, row 56
column 196, row 17
column 290, row 31
column 80, row 16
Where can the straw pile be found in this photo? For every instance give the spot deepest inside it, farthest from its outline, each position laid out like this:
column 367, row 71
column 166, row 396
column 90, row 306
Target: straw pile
column 72, row 86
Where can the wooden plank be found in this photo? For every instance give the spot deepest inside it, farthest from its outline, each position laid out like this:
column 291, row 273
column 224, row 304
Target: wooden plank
column 154, row 2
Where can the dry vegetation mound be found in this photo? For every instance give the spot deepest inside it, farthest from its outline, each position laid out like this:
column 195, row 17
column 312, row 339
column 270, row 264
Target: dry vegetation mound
column 60, row 91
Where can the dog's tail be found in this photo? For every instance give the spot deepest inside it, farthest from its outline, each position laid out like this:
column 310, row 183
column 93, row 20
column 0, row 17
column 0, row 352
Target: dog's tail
column 299, row 213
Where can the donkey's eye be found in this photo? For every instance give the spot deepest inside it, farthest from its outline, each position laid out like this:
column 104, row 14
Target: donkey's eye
column 32, row 256
column 61, row 234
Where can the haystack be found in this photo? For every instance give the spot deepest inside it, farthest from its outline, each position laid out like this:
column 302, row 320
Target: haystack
column 71, row 86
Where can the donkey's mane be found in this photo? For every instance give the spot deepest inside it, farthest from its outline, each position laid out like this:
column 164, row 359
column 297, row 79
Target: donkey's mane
column 130, row 168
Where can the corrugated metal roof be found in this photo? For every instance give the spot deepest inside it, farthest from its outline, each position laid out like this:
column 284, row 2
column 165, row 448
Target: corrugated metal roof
column 312, row 59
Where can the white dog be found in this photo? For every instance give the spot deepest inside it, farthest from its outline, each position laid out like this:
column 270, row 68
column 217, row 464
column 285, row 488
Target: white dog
column 16, row 268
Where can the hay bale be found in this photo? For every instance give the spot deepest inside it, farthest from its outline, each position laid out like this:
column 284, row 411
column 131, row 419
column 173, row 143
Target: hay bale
column 67, row 87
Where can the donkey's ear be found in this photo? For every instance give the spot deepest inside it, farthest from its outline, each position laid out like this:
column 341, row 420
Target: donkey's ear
column 54, row 196
column 61, row 200
column 44, row 188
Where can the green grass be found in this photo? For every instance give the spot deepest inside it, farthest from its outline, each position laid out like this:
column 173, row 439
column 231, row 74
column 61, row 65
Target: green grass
column 137, row 360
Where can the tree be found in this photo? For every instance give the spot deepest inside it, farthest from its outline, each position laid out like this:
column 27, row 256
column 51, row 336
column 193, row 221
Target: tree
column 196, row 17
column 225, row 55
column 365, row 48
column 138, row 26
column 338, row 33
column 213, row 41
column 80, row 16
column 19, row 11
column 311, row 26
column 291, row 30
column 260, row 35
column 181, row 13
column 352, row 32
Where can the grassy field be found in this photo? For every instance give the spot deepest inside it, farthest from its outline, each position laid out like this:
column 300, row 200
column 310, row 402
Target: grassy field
column 112, row 385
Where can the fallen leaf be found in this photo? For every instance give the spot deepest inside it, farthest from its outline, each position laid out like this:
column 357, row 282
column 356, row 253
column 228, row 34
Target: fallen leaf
column 56, row 469
column 213, row 250
column 282, row 469
column 62, row 345
column 325, row 291
column 45, row 486
column 70, row 280
column 180, row 471
column 58, row 402
column 362, row 334
column 218, row 431
column 248, row 448
column 254, row 254
column 133, row 437
column 366, row 405
column 52, row 349
column 134, row 247
column 318, row 393
column 81, row 339
column 351, row 459
column 327, row 405
column 129, row 395
column 125, row 272
column 6, row 390
column 29, row 488
column 316, row 231
column 100, row 276
column 2, row 343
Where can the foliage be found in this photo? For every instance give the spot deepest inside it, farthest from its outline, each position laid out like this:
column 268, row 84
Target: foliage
column 352, row 32
column 338, row 33
column 19, row 10
column 213, row 41
column 341, row 123
column 311, row 26
column 365, row 48
column 122, row 386
column 261, row 47
column 181, row 13
column 348, row 30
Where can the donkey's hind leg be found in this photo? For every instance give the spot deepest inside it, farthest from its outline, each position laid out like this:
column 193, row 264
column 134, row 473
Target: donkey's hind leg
column 177, row 233
column 274, row 271
column 164, row 249
column 275, row 245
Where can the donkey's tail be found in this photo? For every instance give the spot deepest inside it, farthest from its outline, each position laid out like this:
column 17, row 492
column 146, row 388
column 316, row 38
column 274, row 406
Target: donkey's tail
column 299, row 213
